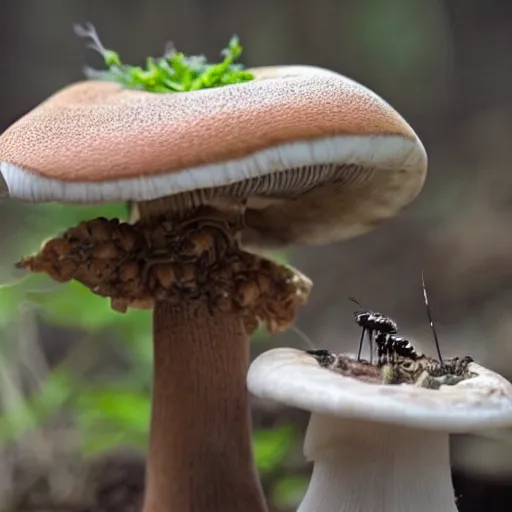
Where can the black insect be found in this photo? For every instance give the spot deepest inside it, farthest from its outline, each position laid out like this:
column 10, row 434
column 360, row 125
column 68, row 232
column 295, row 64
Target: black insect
column 390, row 347
column 397, row 358
column 372, row 322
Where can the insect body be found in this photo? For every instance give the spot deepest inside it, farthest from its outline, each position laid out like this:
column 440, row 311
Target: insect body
column 391, row 346
column 398, row 362
column 372, row 322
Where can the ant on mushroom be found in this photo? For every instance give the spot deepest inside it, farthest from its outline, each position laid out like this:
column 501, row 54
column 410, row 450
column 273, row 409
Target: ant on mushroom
column 398, row 361
column 371, row 322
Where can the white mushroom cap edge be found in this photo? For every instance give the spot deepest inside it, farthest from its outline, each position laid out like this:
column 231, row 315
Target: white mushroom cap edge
column 379, row 448
column 294, row 378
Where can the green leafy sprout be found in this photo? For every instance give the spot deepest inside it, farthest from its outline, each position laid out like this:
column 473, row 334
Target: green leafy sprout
column 173, row 72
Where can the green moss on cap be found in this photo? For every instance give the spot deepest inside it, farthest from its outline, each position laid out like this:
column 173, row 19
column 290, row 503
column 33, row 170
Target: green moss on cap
column 173, row 72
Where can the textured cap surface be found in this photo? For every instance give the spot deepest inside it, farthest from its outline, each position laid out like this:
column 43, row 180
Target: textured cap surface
column 317, row 157
column 294, row 378
column 99, row 131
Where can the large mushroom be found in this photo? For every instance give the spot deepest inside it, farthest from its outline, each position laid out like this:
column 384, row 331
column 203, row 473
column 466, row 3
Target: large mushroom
column 299, row 155
column 379, row 447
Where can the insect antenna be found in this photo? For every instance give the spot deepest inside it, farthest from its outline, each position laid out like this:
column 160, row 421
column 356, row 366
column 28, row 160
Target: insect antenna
column 353, row 299
column 304, row 337
column 430, row 319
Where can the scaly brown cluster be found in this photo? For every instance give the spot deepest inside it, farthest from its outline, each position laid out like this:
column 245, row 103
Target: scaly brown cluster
column 423, row 371
column 426, row 371
column 136, row 264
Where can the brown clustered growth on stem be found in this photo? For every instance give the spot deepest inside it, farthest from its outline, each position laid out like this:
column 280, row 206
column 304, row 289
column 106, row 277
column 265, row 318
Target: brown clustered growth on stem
column 165, row 260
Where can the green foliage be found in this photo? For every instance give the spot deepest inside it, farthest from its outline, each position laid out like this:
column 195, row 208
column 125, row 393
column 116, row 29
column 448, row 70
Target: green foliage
column 69, row 305
column 42, row 221
column 108, row 412
column 37, row 408
column 174, row 72
column 271, row 446
column 74, row 305
column 112, row 416
column 289, row 490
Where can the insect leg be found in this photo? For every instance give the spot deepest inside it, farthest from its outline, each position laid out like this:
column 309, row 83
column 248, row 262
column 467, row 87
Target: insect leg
column 361, row 344
column 370, row 339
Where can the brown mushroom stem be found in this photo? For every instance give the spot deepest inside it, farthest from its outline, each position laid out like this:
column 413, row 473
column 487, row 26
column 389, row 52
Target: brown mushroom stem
column 200, row 454
column 208, row 295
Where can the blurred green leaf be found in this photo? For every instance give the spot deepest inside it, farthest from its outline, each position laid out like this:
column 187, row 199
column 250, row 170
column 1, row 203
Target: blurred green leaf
column 289, row 491
column 139, row 347
column 54, row 217
column 75, row 305
column 109, row 417
column 260, row 334
column 102, row 440
column 31, row 413
column 271, row 446
column 116, row 405
column 43, row 221
column 13, row 294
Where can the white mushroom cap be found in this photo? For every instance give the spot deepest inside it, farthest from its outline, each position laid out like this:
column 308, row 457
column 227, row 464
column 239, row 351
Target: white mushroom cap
column 294, row 378
column 320, row 157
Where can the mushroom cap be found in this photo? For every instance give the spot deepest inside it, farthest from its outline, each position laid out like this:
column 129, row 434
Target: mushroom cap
column 320, row 157
column 294, row 378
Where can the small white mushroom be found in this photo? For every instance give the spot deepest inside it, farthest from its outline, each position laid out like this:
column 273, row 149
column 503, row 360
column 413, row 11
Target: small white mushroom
column 379, row 448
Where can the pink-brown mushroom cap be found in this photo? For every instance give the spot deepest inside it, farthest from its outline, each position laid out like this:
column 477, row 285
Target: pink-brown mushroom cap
column 96, row 142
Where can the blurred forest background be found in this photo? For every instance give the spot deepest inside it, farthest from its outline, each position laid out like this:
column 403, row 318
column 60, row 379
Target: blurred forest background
column 75, row 376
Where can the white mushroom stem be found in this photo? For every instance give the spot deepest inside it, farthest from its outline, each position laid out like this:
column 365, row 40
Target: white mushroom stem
column 375, row 467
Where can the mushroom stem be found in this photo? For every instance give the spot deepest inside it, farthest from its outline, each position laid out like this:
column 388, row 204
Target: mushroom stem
column 359, row 465
column 200, row 452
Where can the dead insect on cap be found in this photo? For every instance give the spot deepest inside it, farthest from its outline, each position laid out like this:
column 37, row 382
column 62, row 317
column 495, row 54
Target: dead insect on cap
column 390, row 345
column 324, row 357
